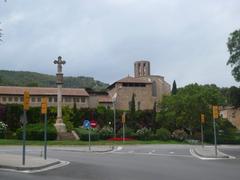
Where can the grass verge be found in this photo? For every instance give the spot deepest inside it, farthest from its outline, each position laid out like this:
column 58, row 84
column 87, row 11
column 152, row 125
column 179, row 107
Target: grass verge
column 83, row 143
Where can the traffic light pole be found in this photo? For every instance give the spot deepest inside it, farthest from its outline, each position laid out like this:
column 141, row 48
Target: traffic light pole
column 123, row 132
column 202, row 136
column 24, row 137
column 45, row 136
column 215, row 136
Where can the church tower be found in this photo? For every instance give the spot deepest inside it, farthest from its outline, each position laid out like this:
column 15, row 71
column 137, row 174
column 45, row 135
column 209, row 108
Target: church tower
column 142, row 68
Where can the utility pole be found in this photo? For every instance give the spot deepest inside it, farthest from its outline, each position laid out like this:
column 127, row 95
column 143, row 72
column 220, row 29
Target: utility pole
column 202, row 133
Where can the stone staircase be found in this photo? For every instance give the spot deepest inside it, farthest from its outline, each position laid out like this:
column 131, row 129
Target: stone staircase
column 66, row 136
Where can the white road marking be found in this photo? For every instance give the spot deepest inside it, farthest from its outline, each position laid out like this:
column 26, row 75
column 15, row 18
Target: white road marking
column 63, row 163
column 119, row 148
column 130, row 152
column 155, row 154
column 171, row 152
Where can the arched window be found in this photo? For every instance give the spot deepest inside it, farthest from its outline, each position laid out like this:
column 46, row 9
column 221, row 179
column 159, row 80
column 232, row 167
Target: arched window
column 154, row 89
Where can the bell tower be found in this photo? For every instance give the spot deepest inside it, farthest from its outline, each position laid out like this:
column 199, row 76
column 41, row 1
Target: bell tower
column 142, row 68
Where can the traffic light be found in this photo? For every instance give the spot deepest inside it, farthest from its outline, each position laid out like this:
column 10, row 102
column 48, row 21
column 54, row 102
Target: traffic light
column 215, row 112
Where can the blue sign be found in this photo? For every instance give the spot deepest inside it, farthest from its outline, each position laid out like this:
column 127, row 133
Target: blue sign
column 86, row 124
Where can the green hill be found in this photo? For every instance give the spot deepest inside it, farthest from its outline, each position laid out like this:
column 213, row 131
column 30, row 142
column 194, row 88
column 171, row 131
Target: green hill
column 33, row 79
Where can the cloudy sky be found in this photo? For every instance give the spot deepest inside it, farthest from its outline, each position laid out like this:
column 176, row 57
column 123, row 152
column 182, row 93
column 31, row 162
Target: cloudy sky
column 184, row 40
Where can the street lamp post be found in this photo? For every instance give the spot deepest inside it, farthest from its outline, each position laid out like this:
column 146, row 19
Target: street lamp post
column 114, row 99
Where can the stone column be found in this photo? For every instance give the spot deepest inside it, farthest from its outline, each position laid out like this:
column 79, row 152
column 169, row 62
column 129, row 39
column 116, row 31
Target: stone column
column 60, row 126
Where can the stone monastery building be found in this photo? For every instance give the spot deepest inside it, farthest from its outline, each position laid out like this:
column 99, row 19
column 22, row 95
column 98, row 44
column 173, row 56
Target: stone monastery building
column 146, row 88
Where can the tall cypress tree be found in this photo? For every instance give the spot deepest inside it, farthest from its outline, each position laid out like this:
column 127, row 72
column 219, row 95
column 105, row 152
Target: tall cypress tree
column 154, row 115
column 132, row 112
column 174, row 88
column 133, row 107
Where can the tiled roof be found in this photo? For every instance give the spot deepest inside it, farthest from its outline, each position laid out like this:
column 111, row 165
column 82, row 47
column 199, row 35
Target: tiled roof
column 130, row 79
column 13, row 90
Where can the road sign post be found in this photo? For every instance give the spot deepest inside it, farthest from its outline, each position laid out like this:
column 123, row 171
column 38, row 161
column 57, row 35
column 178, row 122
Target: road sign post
column 44, row 112
column 215, row 116
column 26, row 99
column 202, row 133
column 89, row 139
column 87, row 125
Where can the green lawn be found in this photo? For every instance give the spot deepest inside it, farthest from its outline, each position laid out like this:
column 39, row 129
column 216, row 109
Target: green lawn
column 65, row 143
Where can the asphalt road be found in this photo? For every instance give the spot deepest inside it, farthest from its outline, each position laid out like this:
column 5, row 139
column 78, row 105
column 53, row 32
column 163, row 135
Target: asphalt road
column 165, row 162
column 231, row 150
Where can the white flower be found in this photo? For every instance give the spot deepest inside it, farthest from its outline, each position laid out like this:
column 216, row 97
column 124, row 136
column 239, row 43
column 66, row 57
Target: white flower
column 3, row 126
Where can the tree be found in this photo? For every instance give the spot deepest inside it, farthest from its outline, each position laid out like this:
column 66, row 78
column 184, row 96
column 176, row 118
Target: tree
column 154, row 115
column 32, row 84
column 132, row 112
column 233, row 45
column 234, row 96
column 132, row 104
column 183, row 110
column 174, row 88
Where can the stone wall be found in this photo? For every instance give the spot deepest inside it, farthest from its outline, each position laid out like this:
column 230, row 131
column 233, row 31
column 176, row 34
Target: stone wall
column 124, row 96
column 233, row 115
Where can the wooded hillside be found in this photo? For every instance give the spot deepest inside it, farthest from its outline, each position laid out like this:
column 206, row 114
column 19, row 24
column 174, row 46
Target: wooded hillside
column 33, row 79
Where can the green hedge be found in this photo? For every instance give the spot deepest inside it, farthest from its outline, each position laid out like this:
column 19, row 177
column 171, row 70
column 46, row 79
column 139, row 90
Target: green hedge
column 2, row 134
column 128, row 132
column 83, row 134
column 163, row 134
column 36, row 132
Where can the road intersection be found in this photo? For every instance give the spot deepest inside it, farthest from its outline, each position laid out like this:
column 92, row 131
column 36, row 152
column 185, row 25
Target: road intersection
column 131, row 162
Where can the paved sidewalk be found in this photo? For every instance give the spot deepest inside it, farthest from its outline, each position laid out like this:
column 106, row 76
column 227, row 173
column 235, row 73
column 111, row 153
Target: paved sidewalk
column 14, row 162
column 82, row 148
column 208, row 152
column 11, row 157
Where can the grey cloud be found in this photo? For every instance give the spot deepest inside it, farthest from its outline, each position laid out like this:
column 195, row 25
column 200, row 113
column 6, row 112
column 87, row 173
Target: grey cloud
column 184, row 40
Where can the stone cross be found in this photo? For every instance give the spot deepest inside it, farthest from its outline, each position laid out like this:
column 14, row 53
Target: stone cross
column 60, row 126
column 59, row 62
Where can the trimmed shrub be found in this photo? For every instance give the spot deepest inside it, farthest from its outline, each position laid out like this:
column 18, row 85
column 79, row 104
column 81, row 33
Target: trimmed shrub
column 3, row 129
column 128, row 132
column 36, row 132
column 106, row 132
column 83, row 134
column 144, row 134
column 163, row 134
column 69, row 125
column 179, row 135
column 2, row 135
column 229, row 139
